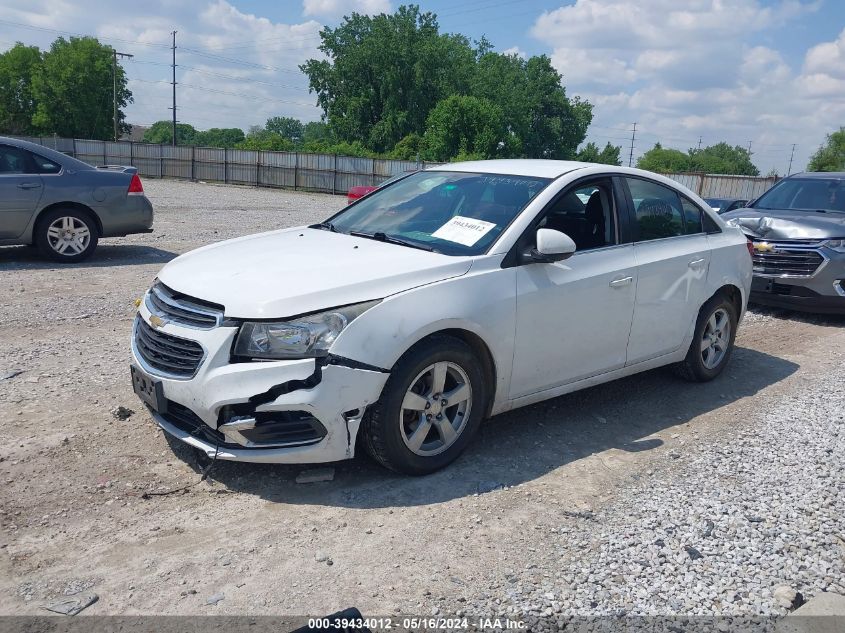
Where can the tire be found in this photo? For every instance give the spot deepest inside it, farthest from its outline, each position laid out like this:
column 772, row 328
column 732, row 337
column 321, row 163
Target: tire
column 388, row 428
column 66, row 235
column 702, row 365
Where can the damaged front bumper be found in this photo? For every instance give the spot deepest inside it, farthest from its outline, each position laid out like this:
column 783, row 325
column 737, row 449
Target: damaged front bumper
column 292, row 411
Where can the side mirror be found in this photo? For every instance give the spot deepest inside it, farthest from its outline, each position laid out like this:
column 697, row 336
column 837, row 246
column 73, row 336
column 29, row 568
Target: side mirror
column 552, row 246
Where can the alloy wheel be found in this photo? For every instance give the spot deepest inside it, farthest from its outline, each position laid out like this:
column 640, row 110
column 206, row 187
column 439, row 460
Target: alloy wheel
column 68, row 235
column 435, row 408
column 715, row 338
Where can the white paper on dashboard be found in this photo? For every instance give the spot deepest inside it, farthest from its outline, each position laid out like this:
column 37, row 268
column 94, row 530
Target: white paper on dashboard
column 461, row 230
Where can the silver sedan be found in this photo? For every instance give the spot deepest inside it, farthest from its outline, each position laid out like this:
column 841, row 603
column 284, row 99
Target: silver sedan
column 64, row 206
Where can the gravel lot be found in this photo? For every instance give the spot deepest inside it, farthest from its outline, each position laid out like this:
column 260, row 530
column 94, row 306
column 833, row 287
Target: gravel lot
column 648, row 495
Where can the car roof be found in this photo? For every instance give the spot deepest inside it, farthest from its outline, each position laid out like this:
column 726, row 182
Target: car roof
column 821, row 175
column 537, row 167
column 46, row 152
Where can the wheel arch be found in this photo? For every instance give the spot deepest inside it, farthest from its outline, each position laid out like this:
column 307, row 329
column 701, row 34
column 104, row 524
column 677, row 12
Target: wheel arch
column 78, row 206
column 734, row 295
column 481, row 351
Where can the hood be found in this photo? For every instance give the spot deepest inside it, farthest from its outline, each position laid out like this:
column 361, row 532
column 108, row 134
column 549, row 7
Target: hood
column 295, row 271
column 787, row 224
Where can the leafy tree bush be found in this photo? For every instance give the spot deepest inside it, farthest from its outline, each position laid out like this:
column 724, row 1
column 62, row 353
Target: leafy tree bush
column 831, row 155
column 464, row 126
column 608, row 156
column 17, row 102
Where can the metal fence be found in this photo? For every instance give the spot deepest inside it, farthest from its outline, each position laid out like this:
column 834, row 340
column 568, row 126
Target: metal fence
column 328, row 173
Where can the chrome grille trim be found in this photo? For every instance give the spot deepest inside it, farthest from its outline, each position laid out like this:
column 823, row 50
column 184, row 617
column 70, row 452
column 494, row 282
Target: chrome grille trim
column 800, row 259
column 165, row 355
column 168, row 305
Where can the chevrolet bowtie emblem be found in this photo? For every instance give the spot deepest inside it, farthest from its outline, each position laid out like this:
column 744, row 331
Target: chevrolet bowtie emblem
column 157, row 322
column 763, row 247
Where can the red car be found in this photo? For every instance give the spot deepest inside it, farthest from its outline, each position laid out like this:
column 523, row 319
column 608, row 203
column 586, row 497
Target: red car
column 359, row 191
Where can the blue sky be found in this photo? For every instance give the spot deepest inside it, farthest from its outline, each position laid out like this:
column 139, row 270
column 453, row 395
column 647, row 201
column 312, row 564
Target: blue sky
column 771, row 72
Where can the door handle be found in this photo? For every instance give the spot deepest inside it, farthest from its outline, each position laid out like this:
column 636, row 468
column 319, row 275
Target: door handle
column 29, row 185
column 618, row 283
column 697, row 263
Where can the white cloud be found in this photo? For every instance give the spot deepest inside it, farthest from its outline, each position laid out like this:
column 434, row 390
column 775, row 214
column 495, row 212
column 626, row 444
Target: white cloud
column 685, row 70
column 335, row 8
column 515, row 50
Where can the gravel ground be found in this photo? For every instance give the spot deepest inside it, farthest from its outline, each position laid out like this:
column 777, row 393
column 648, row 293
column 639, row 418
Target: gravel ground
column 647, row 495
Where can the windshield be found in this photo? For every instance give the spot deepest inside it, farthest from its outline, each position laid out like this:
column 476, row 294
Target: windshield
column 805, row 194
column 454, row 213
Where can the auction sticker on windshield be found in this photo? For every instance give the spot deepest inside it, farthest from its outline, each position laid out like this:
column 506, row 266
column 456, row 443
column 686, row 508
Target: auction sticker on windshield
column 461, row 230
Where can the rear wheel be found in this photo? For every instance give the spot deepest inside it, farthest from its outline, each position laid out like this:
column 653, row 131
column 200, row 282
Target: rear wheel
column 713, row 342
column 430, row 408
column 66, row 235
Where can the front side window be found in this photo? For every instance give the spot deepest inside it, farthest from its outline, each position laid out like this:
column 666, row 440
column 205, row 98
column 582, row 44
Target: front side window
column 586, row 214
column 453, row 213
column 658, row 210
column 14, row 161
column 805, row 194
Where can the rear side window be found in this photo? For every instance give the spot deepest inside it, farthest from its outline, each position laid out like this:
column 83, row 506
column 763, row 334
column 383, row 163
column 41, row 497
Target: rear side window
column 45, row 166
column 658, row 210
column 14, row 161
column 692, row 217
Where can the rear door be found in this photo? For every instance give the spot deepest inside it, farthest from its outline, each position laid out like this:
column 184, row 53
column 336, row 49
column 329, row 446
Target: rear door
column 21, row 188
column 673, row 255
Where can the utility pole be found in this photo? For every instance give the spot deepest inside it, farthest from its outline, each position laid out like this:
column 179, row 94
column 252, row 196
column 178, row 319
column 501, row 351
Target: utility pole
column 749, row 148
column 791, row 156
column 699, row 142
column 115, row 55
column 174, row 87
column 633, row 136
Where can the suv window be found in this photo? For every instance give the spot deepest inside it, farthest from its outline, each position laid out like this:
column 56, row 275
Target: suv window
column 658, row 210
column 586, row 214
column 14, row 160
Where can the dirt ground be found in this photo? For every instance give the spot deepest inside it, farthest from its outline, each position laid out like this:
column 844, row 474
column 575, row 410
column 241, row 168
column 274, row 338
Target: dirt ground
column 75, row 518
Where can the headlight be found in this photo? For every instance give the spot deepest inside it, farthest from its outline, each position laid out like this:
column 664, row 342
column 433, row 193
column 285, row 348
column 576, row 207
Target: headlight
column 305, row 337
column 835, row 245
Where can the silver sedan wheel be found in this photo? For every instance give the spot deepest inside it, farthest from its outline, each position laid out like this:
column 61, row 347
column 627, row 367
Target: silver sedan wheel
column 435, row 409
column 715, row 338
column 68, row 235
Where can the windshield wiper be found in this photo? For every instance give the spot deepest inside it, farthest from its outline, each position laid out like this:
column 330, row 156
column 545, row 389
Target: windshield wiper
column 384, row 237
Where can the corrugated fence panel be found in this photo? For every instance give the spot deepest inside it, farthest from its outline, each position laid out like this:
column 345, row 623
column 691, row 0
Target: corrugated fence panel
column 316, row 172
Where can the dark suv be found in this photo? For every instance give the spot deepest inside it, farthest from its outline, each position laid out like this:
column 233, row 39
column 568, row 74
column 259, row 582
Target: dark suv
column 797, row 229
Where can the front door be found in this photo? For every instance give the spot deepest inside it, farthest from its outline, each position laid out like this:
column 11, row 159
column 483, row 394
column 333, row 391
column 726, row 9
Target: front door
column 573, row 317
column 20, row 191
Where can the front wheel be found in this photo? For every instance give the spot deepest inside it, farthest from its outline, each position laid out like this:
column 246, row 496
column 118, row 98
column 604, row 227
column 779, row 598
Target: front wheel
column 430, row 408
column 66, row 235
column 713, row 341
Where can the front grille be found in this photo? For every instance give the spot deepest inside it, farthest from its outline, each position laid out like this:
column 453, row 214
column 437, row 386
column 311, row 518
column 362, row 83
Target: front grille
column 179, row 308
column 168, row 354
column 285, row 427
column 786, row 260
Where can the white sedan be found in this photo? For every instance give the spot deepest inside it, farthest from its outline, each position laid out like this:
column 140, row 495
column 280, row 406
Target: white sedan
column 449, row 296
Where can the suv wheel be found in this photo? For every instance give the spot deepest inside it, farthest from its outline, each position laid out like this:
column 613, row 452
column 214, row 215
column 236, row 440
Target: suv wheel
column 66, row 235
column 430, row 408
column 713, row 342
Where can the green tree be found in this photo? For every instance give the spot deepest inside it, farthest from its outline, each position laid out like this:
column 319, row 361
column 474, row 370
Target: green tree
column 831, row 155
column 72, row 89
column 218, row 137
column 469, row 127
column 162, row 132
column 721, row 158
column 384, row 74
column 314, row 131
column 286, row 127
column 262, row 138
column 17, row 103
column 664, row 160
column 408, row 148
column 608, row 156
